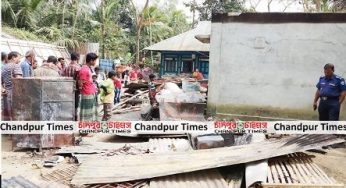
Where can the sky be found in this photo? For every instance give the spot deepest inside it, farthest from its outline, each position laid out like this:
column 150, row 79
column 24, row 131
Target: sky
column 275, row 6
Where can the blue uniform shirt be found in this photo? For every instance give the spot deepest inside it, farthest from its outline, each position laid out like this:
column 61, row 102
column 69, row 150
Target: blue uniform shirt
column 26, row 68
column 332, row 87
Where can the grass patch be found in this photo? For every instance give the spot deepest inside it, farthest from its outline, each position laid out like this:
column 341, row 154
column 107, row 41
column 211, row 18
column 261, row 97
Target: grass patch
column 23, row 34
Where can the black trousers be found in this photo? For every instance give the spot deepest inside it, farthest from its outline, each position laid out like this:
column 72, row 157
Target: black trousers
column 329, row 110
column 76, row 103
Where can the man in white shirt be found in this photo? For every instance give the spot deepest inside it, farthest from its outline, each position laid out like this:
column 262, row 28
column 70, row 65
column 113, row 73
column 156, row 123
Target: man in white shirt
column 100, row 75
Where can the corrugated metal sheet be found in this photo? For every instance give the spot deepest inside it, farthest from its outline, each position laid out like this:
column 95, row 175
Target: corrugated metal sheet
column 62, row 175
column 164, row 145
column 98, row 147
column 297, row 170
column 186, row 41
column 126, row 150
column 134, row 184
column 201, row 179
column 42, row 50
column 209, row 178
column 126, row 168
column 21, row 182
column 18, row 181
column 155, row 145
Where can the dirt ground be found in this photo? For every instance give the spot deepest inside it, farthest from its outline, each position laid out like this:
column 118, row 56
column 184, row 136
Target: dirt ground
column 29, row 164
column 26, row 164
column 333, row 163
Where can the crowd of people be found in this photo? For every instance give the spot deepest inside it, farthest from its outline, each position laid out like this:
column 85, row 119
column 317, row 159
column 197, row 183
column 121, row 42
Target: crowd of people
column 92, row 83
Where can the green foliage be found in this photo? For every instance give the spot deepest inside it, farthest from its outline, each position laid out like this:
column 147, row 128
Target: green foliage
column 23, row 34
column 178, row 22
column 112, row 23
column 208, row 7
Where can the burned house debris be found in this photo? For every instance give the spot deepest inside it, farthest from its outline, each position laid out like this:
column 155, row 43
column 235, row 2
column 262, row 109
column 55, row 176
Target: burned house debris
column 233, row 91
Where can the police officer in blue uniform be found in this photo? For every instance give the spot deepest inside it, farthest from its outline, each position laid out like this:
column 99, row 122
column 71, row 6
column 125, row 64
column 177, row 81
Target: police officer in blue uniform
column 331, row 90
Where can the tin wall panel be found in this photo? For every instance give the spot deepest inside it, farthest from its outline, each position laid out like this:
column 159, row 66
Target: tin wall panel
column 26, row 97
column 43, row 99
column 57, row 111
column 58, row 91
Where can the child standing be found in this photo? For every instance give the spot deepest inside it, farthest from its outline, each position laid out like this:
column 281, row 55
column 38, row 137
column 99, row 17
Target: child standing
column 107, row 95
column 126, row 78
column 96, row 84
column 152, row 90
column 117, row 84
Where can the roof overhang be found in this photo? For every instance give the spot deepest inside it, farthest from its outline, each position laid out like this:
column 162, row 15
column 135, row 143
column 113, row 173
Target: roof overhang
column 203, row 38
column 277, row 17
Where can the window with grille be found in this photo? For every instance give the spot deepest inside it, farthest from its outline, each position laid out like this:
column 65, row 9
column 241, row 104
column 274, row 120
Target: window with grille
column 204, row 66
column 171, row 65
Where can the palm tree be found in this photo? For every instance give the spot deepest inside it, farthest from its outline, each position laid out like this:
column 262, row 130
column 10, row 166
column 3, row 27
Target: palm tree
column 155, row 26
column 103, row 17
column 178, row 22
column 26, row 12
column 7, row 13
column 139, row 25
column 81, row 8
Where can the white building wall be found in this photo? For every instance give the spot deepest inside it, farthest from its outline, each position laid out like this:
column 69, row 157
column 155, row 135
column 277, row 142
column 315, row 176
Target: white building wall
column 272, row 65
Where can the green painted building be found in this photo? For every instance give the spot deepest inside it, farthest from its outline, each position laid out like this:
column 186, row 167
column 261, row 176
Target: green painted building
column 184, row 53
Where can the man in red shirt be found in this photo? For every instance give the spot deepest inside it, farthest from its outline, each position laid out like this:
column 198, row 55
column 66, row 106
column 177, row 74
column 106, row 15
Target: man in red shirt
column 198, row 75
column 117, row 86
column 133, row 75
column 88, row 105
column 139, row 72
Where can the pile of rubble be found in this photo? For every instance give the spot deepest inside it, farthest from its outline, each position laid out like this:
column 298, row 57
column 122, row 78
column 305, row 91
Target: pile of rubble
column 135, row 95
column 180, row 162
column 131, row 102
column 195, row 161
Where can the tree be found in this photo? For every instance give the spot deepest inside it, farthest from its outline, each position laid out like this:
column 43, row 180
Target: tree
column 324, row 5
column 193, row 8
column 21, row 14
column 139, row 16
column 339, row 5
column 58, row 21
column 117, row 25
column 105, row 19
column 7, row 14
column 106, row 30
column 178, row 22
column 209, row 7
column 268, row 4
column 287, row 4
